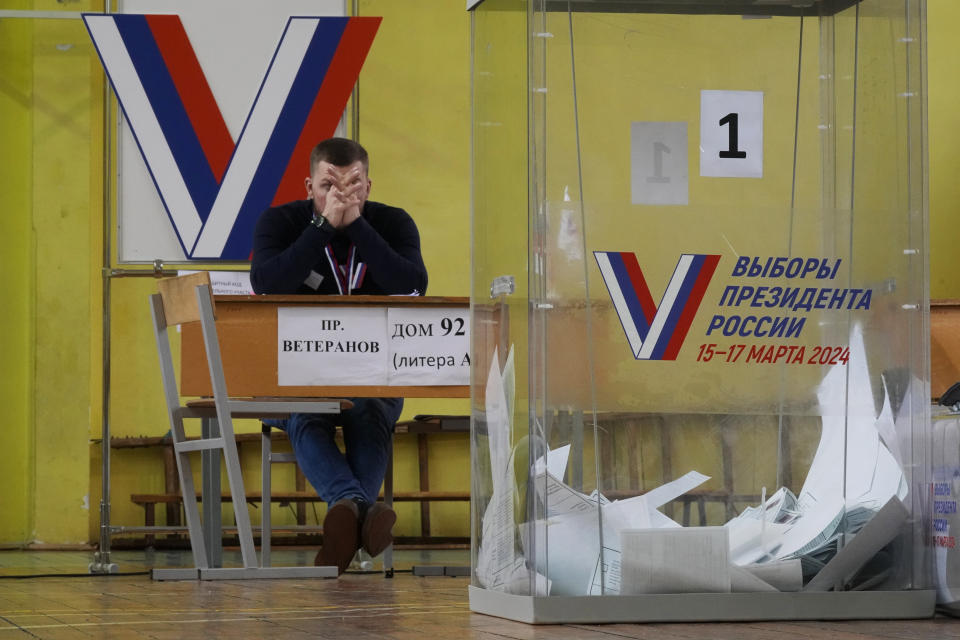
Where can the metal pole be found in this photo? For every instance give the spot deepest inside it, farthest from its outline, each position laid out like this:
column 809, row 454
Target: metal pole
column 355, row 94
column 101, row 559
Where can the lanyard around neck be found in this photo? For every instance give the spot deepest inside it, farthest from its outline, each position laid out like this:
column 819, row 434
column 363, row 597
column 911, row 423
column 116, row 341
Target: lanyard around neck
column 349, row 276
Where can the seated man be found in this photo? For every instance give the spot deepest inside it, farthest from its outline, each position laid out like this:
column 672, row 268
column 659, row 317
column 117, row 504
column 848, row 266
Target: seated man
column 338, row 242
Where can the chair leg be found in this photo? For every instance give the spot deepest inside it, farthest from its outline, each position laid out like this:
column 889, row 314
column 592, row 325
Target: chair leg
column 191, row 511
column 211, row 491
column 235, row 478
column 266, row 526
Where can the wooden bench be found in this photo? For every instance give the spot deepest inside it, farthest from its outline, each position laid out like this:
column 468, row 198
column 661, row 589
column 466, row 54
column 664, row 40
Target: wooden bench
column 420, row 426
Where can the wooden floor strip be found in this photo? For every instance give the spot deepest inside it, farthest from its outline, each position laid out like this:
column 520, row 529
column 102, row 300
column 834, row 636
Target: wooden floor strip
column 363, row 607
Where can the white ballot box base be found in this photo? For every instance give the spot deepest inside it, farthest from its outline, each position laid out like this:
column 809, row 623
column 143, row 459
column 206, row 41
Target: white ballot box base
column 704, row 607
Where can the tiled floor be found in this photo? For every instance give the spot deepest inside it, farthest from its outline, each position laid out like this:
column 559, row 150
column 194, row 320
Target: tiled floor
column 364, row 606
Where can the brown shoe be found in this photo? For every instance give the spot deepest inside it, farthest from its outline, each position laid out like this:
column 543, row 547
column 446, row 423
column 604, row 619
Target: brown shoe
column 340, row 540
column 376, row 534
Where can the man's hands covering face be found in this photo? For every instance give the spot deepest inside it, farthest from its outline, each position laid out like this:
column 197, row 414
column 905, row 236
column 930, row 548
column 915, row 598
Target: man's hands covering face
column 344, row 197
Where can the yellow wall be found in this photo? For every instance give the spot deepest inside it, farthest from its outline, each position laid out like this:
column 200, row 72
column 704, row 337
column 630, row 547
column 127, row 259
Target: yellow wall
column 414, row 120
column 419, row 148
column 48, row 107
column 943, row 21
column 16, row 287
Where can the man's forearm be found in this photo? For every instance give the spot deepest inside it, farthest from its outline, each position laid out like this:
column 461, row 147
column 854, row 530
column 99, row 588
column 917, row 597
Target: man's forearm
column 283, row 271
column 397, row 269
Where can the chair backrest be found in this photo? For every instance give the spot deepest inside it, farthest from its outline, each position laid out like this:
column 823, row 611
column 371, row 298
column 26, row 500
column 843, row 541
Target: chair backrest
column 179, row 298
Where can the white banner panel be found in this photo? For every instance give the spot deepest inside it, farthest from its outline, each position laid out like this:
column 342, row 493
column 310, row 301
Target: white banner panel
column 331, row 346
column 234, row 41
column 429, row 346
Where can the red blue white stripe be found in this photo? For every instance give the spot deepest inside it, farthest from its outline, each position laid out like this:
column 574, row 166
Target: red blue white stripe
column 655, row 332
column 212, row 188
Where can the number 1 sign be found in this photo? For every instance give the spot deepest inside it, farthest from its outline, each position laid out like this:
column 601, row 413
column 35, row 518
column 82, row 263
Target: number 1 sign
column 731, row 134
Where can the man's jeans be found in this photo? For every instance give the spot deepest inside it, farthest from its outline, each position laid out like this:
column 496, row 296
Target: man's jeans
column 358, row 471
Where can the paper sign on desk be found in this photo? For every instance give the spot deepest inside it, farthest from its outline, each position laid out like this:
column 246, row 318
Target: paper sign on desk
column 395, row 346
column 331, row 346
column 429, row 346
column 226, row 283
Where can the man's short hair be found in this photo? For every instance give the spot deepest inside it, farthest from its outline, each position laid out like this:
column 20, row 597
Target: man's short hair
column 340, row 152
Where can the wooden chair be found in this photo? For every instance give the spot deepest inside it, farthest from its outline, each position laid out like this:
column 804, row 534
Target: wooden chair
column 188, row 299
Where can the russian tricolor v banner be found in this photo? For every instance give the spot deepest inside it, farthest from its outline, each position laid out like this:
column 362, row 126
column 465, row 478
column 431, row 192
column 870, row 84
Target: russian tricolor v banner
column 656, row 332
column 212, row 187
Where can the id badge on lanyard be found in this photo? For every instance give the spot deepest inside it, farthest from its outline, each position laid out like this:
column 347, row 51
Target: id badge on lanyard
column 348, row 276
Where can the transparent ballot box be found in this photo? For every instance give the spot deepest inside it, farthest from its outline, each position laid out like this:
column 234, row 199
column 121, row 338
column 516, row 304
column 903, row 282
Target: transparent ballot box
column 700, row 310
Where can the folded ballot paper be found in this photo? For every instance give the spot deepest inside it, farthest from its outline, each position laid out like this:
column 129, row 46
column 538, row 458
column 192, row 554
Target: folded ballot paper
column 849, row 509
column 855, row 477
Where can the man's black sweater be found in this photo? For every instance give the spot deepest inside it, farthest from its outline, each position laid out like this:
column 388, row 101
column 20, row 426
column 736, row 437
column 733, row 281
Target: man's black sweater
column 286, row 248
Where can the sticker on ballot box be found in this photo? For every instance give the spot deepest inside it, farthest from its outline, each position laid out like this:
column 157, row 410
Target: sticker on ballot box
column 429, row 346
column 731, row 134
column 331, row 346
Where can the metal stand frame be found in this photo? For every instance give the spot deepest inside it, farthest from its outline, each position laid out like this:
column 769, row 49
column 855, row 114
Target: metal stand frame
column 102, row 563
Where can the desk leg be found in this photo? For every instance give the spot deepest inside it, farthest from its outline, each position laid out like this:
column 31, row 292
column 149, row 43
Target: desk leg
column 423, row 457
column 210, row 481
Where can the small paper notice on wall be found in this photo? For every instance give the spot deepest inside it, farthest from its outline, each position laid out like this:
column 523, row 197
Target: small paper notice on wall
column 658, row 163
column 227, row 283
column 731, row 134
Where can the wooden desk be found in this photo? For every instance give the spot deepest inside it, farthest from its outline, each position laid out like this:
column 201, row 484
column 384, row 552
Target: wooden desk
column 247, row 329
column 944, row 345
column 247, row 333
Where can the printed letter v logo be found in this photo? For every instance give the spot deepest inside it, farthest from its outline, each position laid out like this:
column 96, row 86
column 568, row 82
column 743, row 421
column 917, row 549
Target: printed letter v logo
column 655, row 333
column 214, row 190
